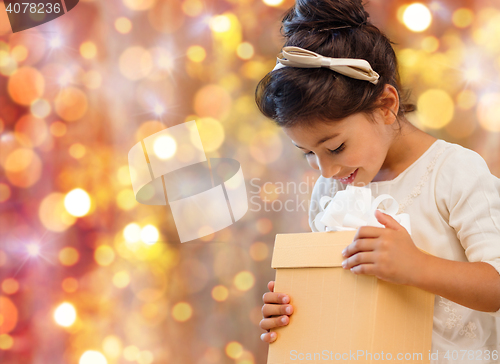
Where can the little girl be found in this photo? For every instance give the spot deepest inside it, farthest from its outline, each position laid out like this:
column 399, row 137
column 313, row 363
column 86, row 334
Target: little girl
column 335, row 91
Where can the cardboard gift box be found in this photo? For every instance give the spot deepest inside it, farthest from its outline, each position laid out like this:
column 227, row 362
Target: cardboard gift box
column 340, row 316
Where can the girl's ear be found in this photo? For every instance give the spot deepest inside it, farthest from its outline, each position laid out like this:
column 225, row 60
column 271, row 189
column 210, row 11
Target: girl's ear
column 389, row 104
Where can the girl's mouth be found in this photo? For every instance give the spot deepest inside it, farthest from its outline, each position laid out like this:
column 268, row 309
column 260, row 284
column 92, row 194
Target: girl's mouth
column 350, row 178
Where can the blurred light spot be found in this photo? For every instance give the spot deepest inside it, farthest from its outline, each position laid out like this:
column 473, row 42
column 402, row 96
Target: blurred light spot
column 92, row 80
column 211, row 133
column 26, row 85
column 135, row 63
column 31, row 131
column 165, row 147
column 112, row 346
column 69, row 284
column 148, row 128
column 167, row 16
column 206, row 232
column 131, row 352
column 192, row 7
column 132, row 233
column 123, row 175
column 92, row 357
column 4, row 192
column 196, row 53
column 9, row 313
column 104, row 255
column 139, row 5
column 273, row 2
column 149, row 234
column 473, row 74
column 52, row 213
column 220, row 23
column 10, row 286
column 430, row 44
column 488, row 111
column 417, row 17
column 245, row 51
column 65, row 314
column 234, row 350
column 244, row 280
column 269, row 192
column 436, row 108
column 466, row 100
column 8, row 65
column 121, row 279
column 71, row 104
column 254, row 70
column 182, row 311
column 126, row 199
column 19, row 53
column 68, row 256
column 159, row 109
column 88, row 50
column 33, row 249
column 259, row 251
column 264, row 225
column 220, row 293
column 55, row 42
column 77, row 202
column 40, row 108
column 23, row 167
column 145, row 357
column 77, row 150
column 123, row 25
column 58, row 129
column 462, row 17
column 213, row 101
column 266, row 146
column 6, row 342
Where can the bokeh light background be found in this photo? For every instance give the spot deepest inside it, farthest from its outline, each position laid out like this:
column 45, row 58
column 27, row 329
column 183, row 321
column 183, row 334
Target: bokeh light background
column 78, row 282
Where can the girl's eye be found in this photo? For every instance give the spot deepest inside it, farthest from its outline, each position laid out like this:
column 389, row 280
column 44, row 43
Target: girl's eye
column 338, row 150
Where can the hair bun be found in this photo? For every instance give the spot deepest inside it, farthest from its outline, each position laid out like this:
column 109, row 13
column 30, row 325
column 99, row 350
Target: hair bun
column 321, row 15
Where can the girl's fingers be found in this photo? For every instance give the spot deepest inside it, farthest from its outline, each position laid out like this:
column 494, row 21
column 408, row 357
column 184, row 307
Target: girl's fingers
column 359, row 245
column 368, row 232
column 270, row 286
column 268, row 337
column 271, row 323
column 275, row 297
column 359, row 258
column 276, row 310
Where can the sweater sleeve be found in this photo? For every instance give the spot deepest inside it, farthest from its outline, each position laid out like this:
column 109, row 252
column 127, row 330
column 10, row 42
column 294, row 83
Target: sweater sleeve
column 471, row 195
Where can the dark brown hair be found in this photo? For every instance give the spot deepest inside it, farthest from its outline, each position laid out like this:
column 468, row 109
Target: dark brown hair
column 332, row 28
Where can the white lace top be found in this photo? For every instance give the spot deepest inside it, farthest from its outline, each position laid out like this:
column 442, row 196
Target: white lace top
column 454, row 205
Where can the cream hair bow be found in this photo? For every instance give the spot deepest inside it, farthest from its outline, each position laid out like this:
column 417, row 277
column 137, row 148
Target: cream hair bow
column 303, row 58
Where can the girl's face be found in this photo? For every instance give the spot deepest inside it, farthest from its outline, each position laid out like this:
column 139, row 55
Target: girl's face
column 352, row 150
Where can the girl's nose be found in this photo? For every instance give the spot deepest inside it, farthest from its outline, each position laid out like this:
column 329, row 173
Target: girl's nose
column 328, row 170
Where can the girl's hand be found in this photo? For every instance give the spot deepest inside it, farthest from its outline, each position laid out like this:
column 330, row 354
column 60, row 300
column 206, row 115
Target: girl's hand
column 275, row 312
column 387, row 253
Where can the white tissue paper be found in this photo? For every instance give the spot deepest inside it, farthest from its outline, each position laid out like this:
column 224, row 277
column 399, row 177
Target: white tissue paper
column 355, row 207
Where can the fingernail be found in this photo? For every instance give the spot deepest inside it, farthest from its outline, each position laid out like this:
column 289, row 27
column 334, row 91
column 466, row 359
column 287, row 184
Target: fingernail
column 285, row 299
column 343, row 253
column 283, row 320
column 262, row 336
column 288, row 310
column 344, row 264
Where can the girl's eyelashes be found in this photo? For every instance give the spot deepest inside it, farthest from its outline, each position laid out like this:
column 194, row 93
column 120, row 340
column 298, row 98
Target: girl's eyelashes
column 336, row 151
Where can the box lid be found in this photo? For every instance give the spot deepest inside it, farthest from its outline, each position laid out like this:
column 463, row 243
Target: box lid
column 315, row 249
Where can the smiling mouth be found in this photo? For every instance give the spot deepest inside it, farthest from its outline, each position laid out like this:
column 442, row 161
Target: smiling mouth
column 350, row 178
